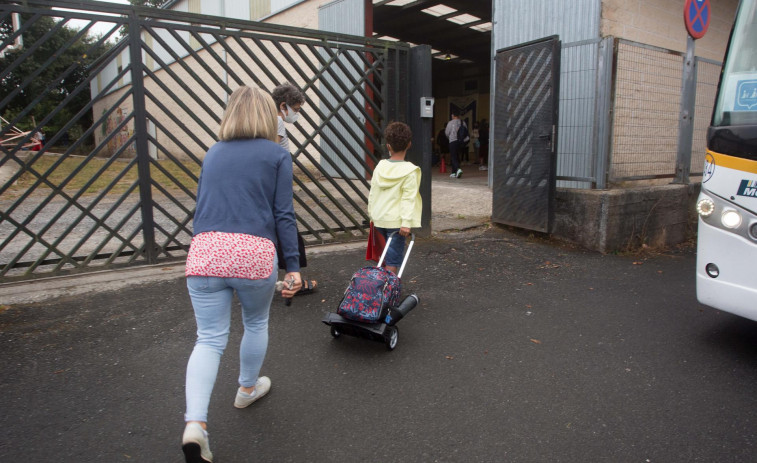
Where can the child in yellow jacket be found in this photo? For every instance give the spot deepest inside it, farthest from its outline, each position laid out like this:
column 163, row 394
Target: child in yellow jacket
column 394, row 202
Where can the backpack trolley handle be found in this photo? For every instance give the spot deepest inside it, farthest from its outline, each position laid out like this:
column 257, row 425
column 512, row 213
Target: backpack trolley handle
column 407, row 253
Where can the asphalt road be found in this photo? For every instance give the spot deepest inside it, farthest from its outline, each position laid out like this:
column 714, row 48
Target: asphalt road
column 522, row 350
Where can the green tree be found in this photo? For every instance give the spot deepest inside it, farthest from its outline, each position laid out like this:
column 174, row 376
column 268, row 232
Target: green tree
column 66, row 71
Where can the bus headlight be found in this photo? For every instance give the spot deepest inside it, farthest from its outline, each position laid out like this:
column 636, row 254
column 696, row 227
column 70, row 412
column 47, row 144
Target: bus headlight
column 705, row 207
column 753, row 231
column 731, row 218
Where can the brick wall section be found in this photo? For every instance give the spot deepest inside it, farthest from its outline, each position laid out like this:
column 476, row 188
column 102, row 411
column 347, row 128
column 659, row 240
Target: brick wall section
column 648, row 83
column 660, row 23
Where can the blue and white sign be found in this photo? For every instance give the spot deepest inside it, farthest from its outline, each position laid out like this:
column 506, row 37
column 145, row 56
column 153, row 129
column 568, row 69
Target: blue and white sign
column 740, row 92
column 746, row 96
column 748, row 188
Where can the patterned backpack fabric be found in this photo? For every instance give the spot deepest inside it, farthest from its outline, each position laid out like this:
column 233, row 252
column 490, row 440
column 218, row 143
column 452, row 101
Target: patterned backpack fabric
column 372, row 291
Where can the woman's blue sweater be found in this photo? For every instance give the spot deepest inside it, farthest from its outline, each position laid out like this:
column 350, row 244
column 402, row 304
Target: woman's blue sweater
column 246, row 187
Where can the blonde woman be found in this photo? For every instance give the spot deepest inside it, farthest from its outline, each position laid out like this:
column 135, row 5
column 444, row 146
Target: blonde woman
column 244, row 210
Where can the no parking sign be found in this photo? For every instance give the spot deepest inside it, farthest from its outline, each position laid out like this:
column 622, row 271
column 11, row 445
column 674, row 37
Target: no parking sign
column 696, row 16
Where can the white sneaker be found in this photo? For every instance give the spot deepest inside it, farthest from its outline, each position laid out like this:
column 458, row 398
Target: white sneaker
column 459, row 173
column 262, row 386
column 453, row 175
column 195, row 444
column 483, row 168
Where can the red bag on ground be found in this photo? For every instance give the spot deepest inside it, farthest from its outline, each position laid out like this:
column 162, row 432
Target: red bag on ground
column 376, row 243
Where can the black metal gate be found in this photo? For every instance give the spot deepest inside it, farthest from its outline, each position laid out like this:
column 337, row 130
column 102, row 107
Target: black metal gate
column 525, row 134
column 129, row 118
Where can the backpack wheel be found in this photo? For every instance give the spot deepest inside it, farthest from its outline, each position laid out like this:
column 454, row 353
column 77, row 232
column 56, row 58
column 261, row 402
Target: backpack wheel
column 391, row 341
column 335, row 332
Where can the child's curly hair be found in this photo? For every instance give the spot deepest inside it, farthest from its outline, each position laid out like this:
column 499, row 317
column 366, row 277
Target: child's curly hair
column 398, row 136
column 287, row 93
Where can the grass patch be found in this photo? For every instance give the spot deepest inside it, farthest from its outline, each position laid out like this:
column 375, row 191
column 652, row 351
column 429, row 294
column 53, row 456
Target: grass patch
column 92, row 178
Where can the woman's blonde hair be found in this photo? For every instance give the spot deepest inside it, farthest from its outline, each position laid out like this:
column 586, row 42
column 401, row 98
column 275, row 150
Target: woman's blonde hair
column 250, row 113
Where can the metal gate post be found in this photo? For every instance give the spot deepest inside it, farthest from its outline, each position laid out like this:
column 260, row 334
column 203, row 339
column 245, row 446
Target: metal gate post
column 420, row 152
column 603, row 112
column 140, row 133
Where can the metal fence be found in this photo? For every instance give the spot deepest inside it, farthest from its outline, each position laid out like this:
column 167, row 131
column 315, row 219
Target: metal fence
column 580, row 122
column 114, row 184
column 647, row 99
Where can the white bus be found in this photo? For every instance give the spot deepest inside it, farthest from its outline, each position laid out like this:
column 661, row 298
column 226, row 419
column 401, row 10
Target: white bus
column 727, row 206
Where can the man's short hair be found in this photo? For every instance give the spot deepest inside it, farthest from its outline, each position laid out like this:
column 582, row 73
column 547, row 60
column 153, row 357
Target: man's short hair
column 398, row 135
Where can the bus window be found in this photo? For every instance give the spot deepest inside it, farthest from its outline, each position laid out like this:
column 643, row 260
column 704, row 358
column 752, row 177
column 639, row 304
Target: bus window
column 737, row 99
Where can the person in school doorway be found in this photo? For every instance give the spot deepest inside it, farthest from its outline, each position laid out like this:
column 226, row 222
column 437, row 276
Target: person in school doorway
column 474, row 138
column 454, row 144
column 289, row 100
column 483, row 149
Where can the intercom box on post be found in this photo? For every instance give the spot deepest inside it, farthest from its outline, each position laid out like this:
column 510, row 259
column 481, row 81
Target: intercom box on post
column 427, row 106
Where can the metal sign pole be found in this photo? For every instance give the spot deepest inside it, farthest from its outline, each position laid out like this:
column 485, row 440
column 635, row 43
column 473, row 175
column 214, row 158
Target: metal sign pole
column 686, row 115
column 696, row 18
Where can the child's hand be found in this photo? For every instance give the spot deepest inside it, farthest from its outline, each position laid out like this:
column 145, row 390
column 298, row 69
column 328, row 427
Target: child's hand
column 404, row 231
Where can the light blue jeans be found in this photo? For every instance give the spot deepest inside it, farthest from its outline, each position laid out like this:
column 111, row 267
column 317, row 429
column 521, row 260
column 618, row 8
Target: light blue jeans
column 211, row 300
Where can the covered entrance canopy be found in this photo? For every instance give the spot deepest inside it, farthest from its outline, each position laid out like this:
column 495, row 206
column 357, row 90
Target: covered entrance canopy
column 458, row 31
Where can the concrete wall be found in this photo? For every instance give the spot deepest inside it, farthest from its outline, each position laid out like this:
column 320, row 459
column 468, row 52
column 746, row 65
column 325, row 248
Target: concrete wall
column 624, row 220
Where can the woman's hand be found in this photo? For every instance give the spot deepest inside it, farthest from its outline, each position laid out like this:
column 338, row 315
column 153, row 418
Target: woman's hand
column 404, row 231
column 296, row 280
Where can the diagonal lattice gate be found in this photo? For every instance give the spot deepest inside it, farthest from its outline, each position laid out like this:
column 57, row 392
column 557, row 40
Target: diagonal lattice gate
column 525, row 134
column 128, row 114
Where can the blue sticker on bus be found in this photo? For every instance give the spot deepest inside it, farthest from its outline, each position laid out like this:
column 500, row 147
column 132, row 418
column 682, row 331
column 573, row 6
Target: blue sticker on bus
column 748, row 188
column 746, row 96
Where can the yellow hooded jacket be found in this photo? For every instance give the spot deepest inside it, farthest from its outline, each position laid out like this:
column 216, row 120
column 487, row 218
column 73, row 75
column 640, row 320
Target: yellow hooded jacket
column 394, row 200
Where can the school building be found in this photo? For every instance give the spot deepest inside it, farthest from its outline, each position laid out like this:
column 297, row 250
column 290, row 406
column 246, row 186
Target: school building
column 595, row 83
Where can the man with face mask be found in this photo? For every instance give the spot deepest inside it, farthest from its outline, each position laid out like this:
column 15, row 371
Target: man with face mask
column 289, row 99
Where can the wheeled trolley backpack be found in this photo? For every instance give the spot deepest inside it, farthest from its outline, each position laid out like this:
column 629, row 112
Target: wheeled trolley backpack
column 371, row 304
